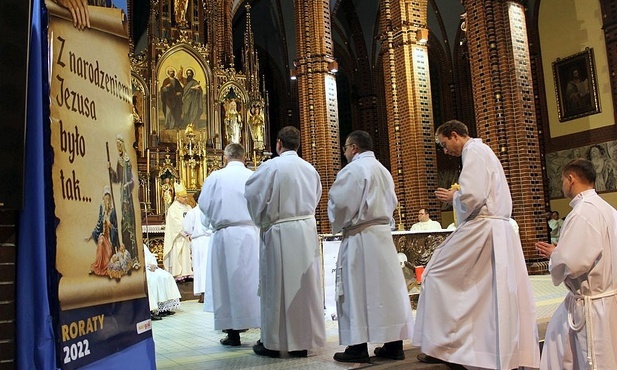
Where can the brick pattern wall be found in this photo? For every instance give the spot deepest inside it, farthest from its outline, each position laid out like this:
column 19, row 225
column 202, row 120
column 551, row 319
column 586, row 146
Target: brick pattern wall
column 505, row 110
column 382, row 137
column 539, row 101
column 408, row 107
column 8, row 252
column 317, row 97
column 442, row 65
column 366, row 104
column 463, row 88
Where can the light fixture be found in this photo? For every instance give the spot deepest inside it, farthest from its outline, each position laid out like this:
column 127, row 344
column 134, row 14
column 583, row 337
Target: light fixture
column 333, row 66
column 422, row 36
column 293, row 73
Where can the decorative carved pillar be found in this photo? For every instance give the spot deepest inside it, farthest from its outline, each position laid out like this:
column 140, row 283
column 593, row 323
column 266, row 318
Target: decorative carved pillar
column 222, row 35
column 409, row 112
column 317, row 96
column 504, row 105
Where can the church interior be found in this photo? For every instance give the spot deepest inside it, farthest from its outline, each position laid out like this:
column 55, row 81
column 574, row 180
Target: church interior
column 208, row 73
column 396, row 69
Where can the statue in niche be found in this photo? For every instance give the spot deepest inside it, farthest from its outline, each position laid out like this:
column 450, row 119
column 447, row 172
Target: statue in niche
column 138, row 124
column 167, row 192
column 233, row 122
column 256, row 124
column 180, row 9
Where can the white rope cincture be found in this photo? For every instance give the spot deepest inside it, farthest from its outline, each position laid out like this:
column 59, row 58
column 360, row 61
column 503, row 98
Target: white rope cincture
column 587, row 321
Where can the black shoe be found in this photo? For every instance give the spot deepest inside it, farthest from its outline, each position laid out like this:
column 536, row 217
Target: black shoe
column 227, row 341
column 423, row 357
column 263, row 351
column 302, row 353
column 234, row 330
column 155, row 317
column 355, row 353
column 391, row 350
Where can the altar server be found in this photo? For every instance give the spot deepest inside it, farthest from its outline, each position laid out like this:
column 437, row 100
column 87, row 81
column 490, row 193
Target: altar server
column 582, row 334
column 476, row 307
column 282, row 196
column 234, row 248
column 199, row 234
column 372, row 298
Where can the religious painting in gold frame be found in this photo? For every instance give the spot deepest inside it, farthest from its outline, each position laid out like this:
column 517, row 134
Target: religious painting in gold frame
column 181, row 90
column 575, row 86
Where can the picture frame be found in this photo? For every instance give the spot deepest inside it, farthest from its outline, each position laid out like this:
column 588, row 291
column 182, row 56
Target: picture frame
column 172, row 73
column 576, row 86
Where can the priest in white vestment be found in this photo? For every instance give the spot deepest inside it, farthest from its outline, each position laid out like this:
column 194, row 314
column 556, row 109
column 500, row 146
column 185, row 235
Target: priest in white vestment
column 555, row 223
column 234, row 248
column 199, row 236
column 425, row 223
column 176, row 244
column 476, row 307
column 372, row 298
column 163, row 293
column 585, row 260
column 282, row 196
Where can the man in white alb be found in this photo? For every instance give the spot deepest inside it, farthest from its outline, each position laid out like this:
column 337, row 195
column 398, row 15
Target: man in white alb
column 476, row 307
column 425, row 223
column 234, row 254
column 371, row 293
column 585, row 261
column 200, row 242
column 282, row 196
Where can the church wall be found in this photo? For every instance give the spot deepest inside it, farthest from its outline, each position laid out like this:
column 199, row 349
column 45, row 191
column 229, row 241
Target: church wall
column 566, row 28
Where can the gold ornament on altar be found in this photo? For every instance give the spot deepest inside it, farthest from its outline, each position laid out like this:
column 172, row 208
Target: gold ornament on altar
column 401, row 227
column 256, row 122
column 180, row 9
column 192, row 157
column 233, row 121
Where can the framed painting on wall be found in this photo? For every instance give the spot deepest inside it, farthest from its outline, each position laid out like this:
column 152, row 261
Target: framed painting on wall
column 575, row 86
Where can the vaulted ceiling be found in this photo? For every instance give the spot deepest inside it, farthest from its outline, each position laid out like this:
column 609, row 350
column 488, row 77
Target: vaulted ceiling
column 354, row 26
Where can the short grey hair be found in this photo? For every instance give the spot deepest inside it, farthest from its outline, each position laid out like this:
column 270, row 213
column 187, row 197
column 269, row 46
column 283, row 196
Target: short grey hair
column 234, row 151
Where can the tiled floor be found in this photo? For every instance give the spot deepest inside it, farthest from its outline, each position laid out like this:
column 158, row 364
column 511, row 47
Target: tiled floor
column 187, row 340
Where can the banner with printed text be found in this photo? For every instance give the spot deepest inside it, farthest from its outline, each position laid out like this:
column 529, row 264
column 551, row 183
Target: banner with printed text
column 103, row 307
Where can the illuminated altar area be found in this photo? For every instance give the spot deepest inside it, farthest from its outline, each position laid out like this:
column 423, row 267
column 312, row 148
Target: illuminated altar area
column 190, row 102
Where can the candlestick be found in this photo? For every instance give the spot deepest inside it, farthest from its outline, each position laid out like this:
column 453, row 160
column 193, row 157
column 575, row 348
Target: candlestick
column 148, row 160
column 401, row 227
